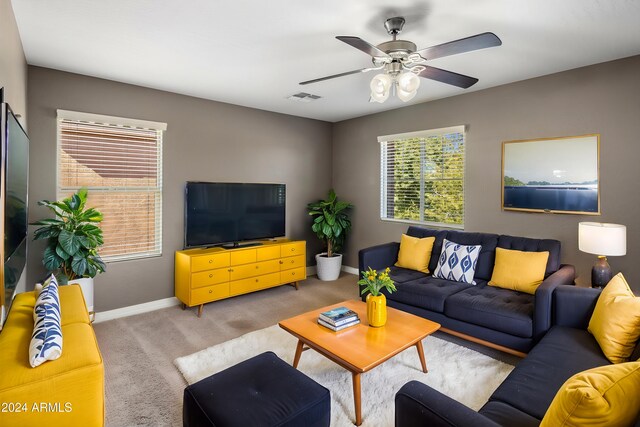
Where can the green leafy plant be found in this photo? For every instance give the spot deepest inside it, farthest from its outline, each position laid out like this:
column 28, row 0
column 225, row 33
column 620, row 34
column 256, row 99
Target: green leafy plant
column 73, row 238
column 330, row 221
column 373, row 282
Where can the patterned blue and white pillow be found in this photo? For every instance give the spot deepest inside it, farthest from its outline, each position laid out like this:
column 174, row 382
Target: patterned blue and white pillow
column 457, row 262
column 46, row 340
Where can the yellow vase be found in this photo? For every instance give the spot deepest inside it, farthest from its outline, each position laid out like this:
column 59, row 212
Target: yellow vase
column 376, row 310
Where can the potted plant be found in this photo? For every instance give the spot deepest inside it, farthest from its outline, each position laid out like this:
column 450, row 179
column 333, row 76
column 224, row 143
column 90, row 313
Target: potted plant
column 373, row 282
column 73, row 241
column 330, row 223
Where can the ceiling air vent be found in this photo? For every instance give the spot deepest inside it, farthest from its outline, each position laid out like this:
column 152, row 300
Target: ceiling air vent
column 303, row 97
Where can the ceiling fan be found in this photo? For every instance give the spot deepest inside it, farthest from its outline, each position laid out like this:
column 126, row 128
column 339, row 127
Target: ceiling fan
column 401, row 63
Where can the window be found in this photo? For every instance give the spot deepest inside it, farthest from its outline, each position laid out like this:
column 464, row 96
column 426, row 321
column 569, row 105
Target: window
column 422, row 177
column 120, row 162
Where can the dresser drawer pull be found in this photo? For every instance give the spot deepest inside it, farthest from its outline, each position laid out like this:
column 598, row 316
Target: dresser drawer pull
column 293, row 249
column 257, row 266
column 257, row 280
column 210, row 275
column 292, row 261
column 210, row 291
column 210, row 261
column 293, row 273
column 281, row 262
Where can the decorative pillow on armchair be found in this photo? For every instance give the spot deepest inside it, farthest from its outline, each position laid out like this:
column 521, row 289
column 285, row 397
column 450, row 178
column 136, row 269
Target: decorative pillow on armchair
column 457, row 262
column 46, row 340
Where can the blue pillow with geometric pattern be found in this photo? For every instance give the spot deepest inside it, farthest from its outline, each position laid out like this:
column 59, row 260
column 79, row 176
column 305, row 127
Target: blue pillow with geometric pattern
column 457, row 262
column 46, row 340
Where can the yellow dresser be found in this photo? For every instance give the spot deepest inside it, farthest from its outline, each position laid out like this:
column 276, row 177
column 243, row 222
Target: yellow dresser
column 205, row 275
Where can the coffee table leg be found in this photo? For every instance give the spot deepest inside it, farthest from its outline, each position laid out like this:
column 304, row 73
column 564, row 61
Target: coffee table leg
column 356, row 397
column 421, row 355
column 296, row 358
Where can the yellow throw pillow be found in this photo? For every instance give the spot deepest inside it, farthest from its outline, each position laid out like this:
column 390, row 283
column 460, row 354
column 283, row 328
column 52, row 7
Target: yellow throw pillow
column 518, row 270
column 615, row 322
column 415, row 253
column 604, row 396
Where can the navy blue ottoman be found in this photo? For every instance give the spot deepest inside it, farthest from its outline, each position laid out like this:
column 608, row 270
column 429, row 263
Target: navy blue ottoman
column 262, row 391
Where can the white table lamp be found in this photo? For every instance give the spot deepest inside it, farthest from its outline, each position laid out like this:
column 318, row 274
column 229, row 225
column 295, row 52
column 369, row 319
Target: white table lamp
column 603, row 240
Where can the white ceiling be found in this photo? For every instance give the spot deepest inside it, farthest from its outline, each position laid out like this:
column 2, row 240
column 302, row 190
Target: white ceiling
column 254, row 53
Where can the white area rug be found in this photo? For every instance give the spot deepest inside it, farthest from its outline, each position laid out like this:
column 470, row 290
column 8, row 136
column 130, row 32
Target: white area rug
column 463, row 374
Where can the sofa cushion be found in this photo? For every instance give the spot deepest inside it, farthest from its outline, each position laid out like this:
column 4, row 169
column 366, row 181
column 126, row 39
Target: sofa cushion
column 519, row 270
column 427, row 292
column 401, row 275
column 602, row 396
column 495, row 308
column 415, row 253
column 507, row 415
column 457, row 262
column 437, row 244
column 72, row 306
column 487, row 256
column 615, row 322
column 526, row 244
column 533, row 384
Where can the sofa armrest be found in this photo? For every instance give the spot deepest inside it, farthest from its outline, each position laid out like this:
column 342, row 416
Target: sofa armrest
column 377, row 257
column 573, row 306
column 419, row 405
column 543, row 299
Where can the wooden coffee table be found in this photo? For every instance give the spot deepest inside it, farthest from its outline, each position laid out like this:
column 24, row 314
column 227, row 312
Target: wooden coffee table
column 360, row 348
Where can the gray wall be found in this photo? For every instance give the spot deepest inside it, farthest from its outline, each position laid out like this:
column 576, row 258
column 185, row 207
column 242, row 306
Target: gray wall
column 205, row 140
column 13, row 66
column 600, row 99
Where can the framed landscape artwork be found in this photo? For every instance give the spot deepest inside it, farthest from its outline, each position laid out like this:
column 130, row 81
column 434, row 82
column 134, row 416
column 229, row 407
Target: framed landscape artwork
column 552, row 175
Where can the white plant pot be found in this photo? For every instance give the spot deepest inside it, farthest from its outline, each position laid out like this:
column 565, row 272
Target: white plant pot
column 86, row 283
column 328, row 268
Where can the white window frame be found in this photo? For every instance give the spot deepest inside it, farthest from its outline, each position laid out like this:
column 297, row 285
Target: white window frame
column 382, row 140
column 125, row 123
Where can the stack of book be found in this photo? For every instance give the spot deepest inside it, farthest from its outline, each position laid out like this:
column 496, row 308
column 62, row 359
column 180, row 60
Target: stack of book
column 338, row 318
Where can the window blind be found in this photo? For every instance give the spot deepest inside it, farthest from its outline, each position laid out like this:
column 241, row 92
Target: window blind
column 422, row 177
column 121, row 166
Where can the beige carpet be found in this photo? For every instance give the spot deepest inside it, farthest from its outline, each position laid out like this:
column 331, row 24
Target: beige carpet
column 143, row 386
column 467, row 376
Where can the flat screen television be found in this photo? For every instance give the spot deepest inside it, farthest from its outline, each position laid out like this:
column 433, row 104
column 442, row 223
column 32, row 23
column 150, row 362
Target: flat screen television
column 223, row 213
column 14, row 179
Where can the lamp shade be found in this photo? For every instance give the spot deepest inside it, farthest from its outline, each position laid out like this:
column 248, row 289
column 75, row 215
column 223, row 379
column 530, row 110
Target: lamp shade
column 602, row 239
column 408, row 84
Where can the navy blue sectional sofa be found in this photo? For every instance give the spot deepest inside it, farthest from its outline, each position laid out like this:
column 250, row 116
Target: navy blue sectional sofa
column 525, row 395
column 505, row 319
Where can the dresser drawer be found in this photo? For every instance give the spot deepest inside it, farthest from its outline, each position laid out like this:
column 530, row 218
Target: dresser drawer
column 268, row 252
column 256, row 269
column 209, row 277
column 210, row 293
column 292, row 262
column 292, row 249
column 253, row 284
column 294, row 275
column 209, row 262
column 243, row 257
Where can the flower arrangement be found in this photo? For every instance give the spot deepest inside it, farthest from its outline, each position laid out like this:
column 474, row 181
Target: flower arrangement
column 373, row 282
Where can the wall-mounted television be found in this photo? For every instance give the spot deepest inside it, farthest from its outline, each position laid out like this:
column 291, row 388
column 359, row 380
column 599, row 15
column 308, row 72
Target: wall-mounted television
column 14, row 178
column 223, row 213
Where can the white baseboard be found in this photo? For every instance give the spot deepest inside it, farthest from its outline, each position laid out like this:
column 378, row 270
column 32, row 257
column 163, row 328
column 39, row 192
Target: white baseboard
column 312, row 270
column 350, row 270
column 131, row 310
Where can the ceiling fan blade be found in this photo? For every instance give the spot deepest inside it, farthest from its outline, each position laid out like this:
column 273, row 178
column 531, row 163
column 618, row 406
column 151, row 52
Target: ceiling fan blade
column 362, row 45
column 363, row 70
column 448, row 77
column 479, row 41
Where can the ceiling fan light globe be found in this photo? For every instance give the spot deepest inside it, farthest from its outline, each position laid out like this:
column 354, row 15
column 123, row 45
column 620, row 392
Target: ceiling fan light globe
column 380, row 84
column 408, row 82
column 406, row 95
column 379, row 97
